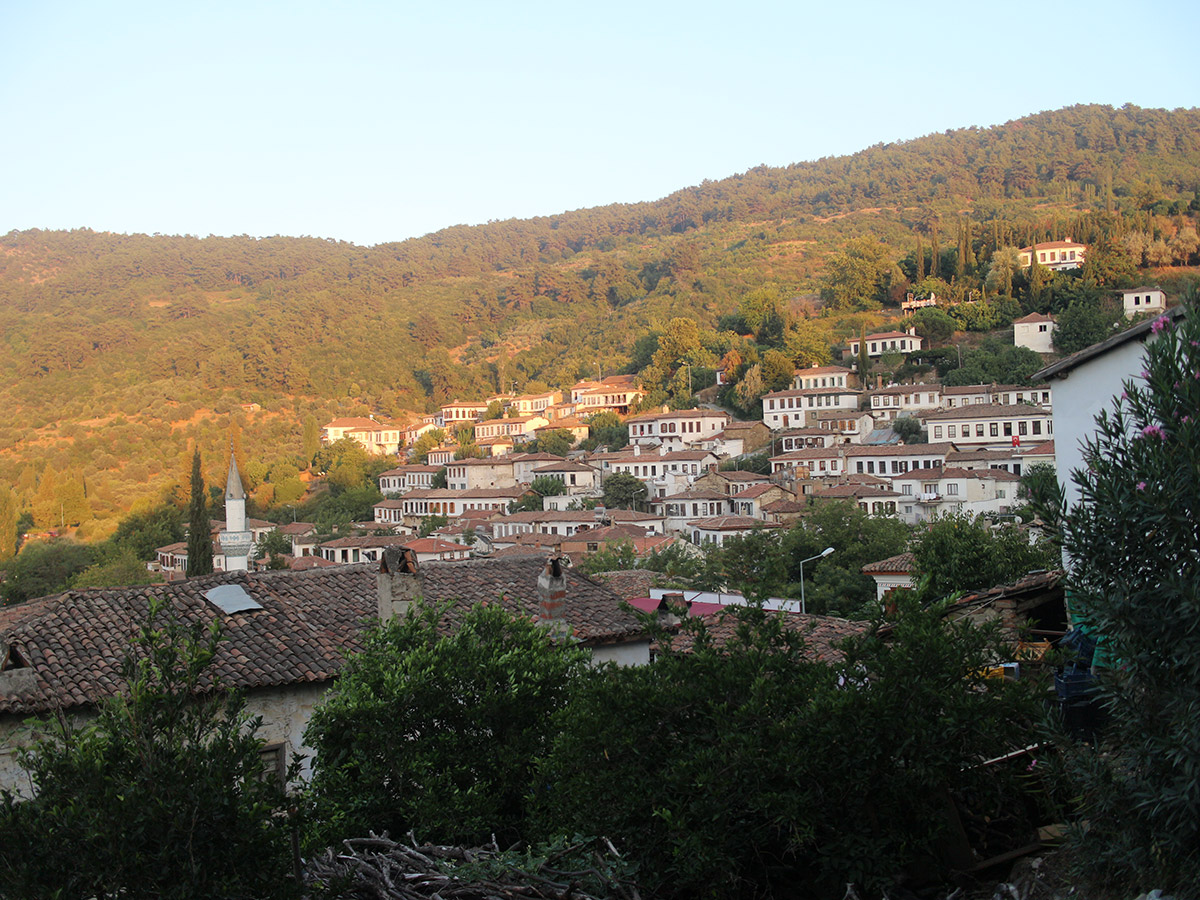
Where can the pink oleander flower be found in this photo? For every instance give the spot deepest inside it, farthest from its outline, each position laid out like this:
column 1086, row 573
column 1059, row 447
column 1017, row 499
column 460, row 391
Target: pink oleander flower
column 1145, row 373
column 1124, row 395
column 1141, row 485
column 1154, row 431
column 1161, row 324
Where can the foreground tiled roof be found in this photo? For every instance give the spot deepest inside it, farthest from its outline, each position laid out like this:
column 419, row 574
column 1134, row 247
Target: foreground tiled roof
column 822, row 634
column 629, row 583
column 74, row 643
column 902, row 562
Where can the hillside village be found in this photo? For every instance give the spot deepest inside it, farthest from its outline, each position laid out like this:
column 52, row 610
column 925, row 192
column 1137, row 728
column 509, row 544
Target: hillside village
column 630, row 436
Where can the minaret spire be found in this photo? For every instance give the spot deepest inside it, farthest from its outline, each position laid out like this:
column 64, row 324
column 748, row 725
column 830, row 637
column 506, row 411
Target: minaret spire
column 236, row 540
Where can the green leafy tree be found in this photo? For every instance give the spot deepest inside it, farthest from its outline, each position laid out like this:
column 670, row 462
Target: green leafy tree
column 430, row 440
column 860, row 276
column 440, row 479
column 439, row 731
column 1132, row 543
column 45, row 502
column 556, row 441
column 623, row 491
column 934, row 325
column 1044, row 498
column 1003, row 270
column 762, row 780
column 613, row 556
column 122, row 569
column 605, row 429
column 8, row 523
column 273, row 546
column 431, row 523
column 161, row 795
column 909, row 429
column 1082, row 324
column 44, row 567
column 961, row 553
column 199, row 539
column 143, row 531
column 311, row 439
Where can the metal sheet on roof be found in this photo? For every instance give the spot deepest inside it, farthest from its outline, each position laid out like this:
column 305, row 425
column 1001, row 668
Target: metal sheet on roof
column 231, row 598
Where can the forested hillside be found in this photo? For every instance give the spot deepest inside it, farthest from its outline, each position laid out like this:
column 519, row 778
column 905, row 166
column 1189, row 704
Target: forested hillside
column 117, row 352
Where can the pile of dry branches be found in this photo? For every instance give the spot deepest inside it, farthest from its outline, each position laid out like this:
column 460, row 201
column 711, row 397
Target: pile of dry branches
column 378, row 868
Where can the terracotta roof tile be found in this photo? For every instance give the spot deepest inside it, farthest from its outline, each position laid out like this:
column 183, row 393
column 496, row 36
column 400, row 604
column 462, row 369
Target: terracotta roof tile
column 74, row 643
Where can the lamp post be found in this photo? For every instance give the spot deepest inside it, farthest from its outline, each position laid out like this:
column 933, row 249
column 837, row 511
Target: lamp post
column 821, row 555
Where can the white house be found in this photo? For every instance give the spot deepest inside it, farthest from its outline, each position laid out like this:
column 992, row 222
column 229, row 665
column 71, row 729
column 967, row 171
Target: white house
column 889, row 460
column 822, row 377
column 490, row 472
column 402, row 479
column 888, row 342
column 517, row 427
column 897, row 400
column 676, row 429
column 990, row 425
column 792, row 408
column 371, row 434
column 460, row 413
column 1086, row 383
column 820, row 462
column 1055, row 255
column 1035, row 331
column 1144, row 300
column 719, row 529
column 976, row 394
column 664, row 472
column 679, row 509
column 929, row 493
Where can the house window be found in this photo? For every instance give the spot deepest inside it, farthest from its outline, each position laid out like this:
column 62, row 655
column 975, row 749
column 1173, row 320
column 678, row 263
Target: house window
column 952, row 488
column 273, row 760
column 1022, row 428
column 994, row 429
column 979, row 430
column 1008, row 429
column 1037, row 426
column 937, row 431
column 951, row 431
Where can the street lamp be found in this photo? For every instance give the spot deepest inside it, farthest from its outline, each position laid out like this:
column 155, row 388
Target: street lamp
column 820, row 555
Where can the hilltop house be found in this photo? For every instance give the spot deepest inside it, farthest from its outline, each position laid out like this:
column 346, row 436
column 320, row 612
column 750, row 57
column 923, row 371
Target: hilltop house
column 1035, row 332
column 372, row 435
column 1055, row 255
column 888, row 342
column 1143, row 300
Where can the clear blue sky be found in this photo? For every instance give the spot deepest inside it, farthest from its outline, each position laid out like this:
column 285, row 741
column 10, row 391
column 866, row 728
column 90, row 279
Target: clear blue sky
column 377, row 121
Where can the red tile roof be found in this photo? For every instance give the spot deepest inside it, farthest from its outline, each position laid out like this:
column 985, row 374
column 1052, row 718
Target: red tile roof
column 74, row 643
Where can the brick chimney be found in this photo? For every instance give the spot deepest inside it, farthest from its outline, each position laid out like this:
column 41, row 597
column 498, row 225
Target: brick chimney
column 552, row 598
column 398, row 583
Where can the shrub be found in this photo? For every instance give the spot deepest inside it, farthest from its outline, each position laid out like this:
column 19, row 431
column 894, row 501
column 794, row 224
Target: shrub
column 750, row 768
column 1133, row 542
column 162, row 795
column 438, row 732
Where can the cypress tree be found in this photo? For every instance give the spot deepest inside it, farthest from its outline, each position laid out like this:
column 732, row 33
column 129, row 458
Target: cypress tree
column 200, row 555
